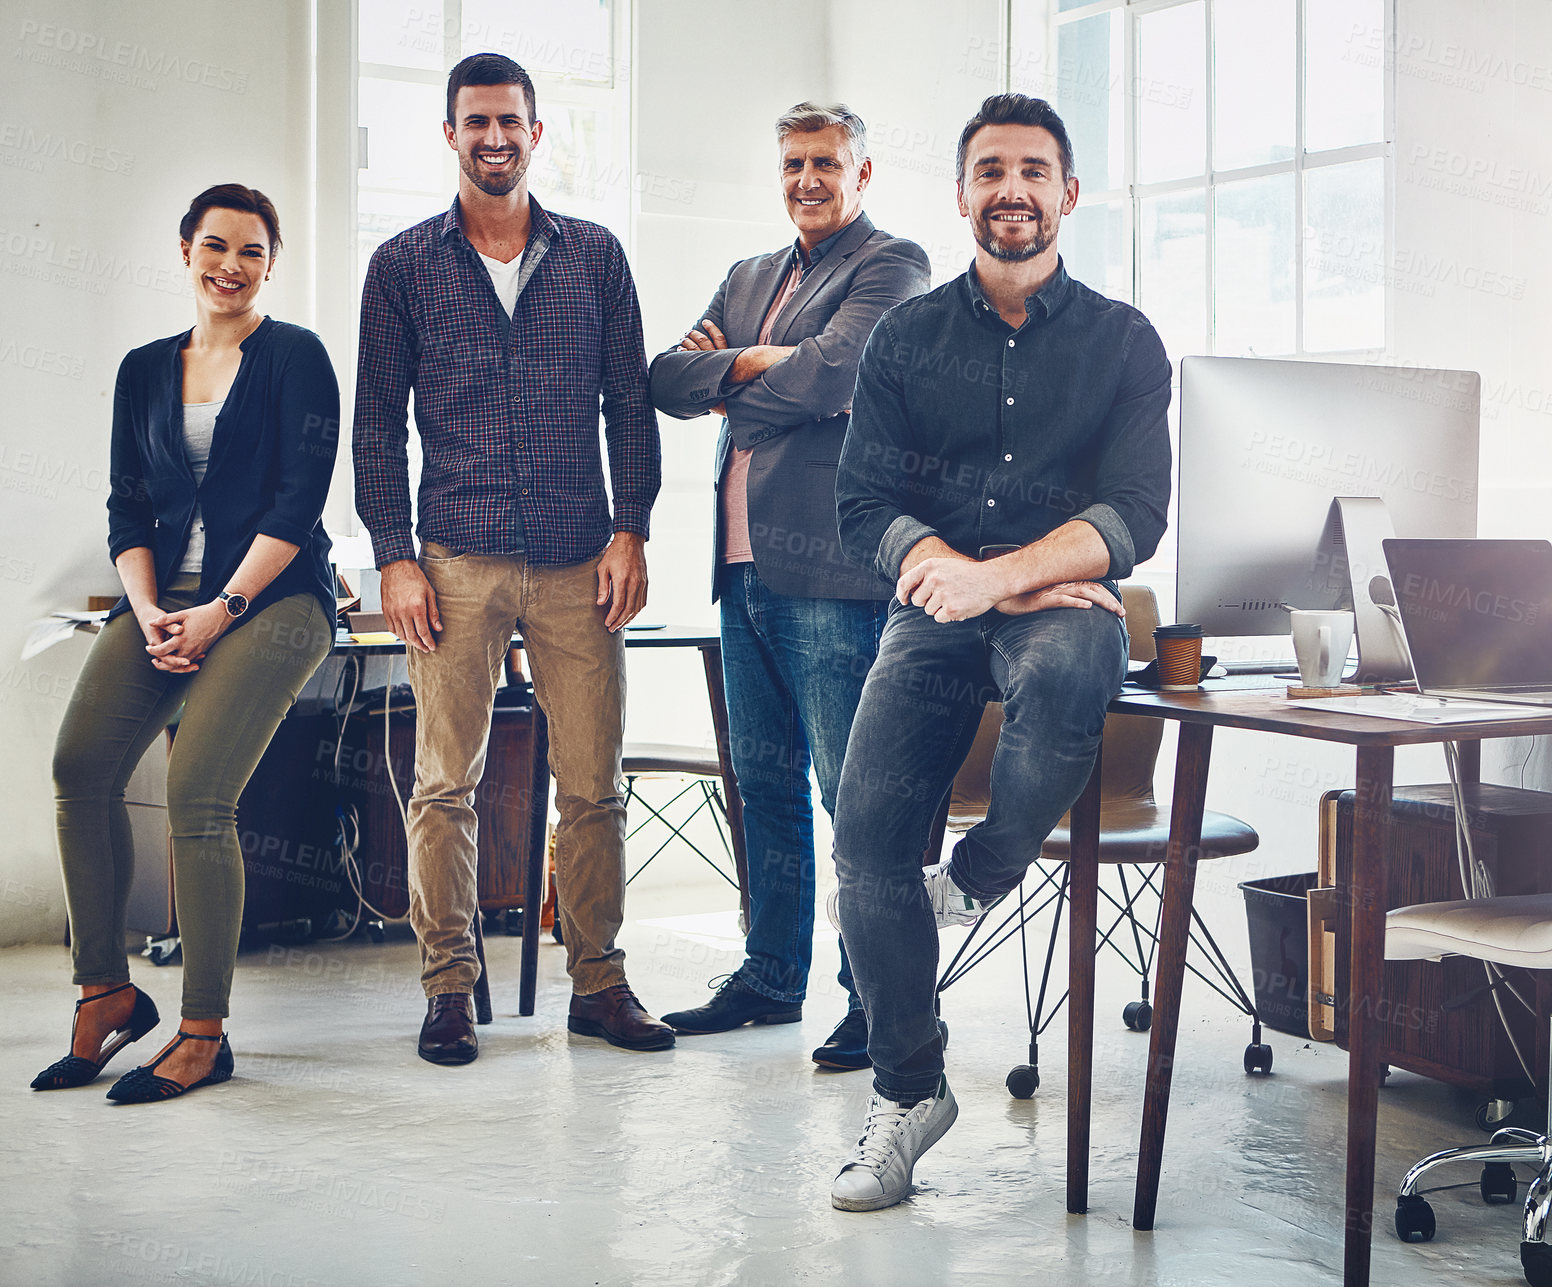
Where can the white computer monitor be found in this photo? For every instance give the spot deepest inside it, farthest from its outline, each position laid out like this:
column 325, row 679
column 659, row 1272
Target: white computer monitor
column 1266, row 446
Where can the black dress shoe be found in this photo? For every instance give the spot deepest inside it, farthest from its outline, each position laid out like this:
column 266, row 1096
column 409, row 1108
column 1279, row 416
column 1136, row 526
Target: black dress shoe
column 847, row 1047
column 734, row 1005
column 447, row 1035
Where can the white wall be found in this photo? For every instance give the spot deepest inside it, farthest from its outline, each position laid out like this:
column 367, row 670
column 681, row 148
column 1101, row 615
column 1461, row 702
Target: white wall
column 1473, row 246
column 710, row 81
column 111, row 117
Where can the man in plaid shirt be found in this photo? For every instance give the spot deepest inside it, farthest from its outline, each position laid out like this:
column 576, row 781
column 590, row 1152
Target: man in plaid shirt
column 511, row 325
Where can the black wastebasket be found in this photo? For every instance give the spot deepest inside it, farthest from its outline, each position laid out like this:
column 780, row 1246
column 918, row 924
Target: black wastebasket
column 1277, row 913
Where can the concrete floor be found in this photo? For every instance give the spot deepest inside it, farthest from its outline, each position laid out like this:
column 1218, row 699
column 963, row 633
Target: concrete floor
column 336, row 1156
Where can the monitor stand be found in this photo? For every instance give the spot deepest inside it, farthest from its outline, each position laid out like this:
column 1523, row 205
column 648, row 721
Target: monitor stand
column 1353, row 547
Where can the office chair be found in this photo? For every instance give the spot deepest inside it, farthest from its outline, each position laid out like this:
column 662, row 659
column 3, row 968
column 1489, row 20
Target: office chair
column 1134, row 835
column 1510, row 931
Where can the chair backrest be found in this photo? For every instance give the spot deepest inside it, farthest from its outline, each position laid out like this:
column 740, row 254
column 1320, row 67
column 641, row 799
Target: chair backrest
column 1131, row 744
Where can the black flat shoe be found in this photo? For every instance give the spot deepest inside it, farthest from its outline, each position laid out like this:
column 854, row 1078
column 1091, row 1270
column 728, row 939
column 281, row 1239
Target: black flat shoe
column 142, row 1086
column 74, row 1070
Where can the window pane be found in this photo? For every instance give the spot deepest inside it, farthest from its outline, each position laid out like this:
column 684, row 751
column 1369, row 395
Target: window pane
column 1173, row 262
column 401, row 33
column 572, row 172
column 1253, row 279
column 1171, row 94
column 379, row 215
column 1344, row 73
column 1253, row 74
column 1344, row 257
column 1090, row 63
column 1095, row 250
column 572, row 39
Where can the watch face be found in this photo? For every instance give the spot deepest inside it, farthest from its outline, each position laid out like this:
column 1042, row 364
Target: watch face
column 236, row 604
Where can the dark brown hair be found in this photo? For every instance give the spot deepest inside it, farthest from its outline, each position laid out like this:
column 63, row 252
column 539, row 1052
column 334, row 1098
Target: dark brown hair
column 1016, row 109
column 232, row 196
column 488, row 69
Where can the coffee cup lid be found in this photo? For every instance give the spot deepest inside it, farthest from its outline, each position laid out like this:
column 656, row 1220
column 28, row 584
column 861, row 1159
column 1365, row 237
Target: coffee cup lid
column 1180, row 630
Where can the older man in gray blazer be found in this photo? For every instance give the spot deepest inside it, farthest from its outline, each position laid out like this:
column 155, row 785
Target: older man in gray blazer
column 776, row 353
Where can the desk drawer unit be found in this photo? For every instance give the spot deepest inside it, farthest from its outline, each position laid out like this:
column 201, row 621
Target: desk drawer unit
column 1439, row 1020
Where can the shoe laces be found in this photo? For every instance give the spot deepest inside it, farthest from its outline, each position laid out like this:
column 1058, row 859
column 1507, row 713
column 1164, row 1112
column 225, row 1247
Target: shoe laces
column 880, row 1134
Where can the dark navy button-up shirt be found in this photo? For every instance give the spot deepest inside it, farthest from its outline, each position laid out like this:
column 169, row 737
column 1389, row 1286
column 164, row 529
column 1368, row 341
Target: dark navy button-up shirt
column 967, row 429
column 507, row 411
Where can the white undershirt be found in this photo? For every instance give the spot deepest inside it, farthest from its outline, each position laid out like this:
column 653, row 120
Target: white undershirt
column 504, row 278
column 199, row 425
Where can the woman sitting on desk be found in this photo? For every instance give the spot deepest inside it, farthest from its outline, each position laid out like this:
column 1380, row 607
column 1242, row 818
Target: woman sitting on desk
column 223, row 444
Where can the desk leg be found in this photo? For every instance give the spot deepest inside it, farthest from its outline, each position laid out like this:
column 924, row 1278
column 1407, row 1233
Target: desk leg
column 711, row 657
column 533, row 878
column 1082, row 917
column 1185, row 839
column 1365, row 1034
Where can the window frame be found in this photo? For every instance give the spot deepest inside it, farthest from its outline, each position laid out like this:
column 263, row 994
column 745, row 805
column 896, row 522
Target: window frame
column 1131, row 193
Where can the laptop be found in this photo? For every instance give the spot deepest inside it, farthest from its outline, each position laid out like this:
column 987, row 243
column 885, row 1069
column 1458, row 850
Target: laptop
column 1477, row 615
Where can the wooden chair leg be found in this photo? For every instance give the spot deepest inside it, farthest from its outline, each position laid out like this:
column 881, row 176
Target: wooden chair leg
column 482, row 1010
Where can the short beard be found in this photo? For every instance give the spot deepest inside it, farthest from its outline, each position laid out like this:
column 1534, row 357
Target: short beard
column 1015, row 254
column 491, row 185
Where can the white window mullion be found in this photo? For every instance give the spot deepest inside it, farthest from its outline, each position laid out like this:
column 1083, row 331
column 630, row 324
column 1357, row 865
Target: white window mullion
column 1298, row 178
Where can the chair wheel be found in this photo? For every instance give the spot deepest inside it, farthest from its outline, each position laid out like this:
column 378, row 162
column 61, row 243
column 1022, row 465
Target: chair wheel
column 1258, row 1058
column 1493, row 1113
column 1498, row 1183
column 375, row 931
column 1414, row 1219
column 1138, row 1016
column 1536, row 1260
column 1022, row 1082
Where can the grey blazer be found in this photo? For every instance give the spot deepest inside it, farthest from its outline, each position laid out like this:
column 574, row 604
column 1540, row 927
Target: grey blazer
column 794, row 416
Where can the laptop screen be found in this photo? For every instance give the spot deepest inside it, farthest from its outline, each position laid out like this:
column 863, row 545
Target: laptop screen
column 1478, row 613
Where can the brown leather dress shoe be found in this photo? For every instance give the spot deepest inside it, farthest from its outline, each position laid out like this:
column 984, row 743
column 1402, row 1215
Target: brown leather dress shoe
column 447, row 1035
column 615, row 1015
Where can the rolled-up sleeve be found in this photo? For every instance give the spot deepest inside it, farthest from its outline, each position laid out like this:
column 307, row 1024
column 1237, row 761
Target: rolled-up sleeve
column 307, row 439
column 379, row 435
column 876, row 529
column 1131, row 482
column 630, row 428
column 131, row 520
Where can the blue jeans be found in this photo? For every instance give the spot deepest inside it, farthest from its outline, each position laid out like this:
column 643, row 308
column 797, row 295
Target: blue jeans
column 794, row 670
column 1054, row 672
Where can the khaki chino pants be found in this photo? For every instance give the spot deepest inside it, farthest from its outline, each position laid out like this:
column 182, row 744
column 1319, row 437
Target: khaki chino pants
column 578, row 671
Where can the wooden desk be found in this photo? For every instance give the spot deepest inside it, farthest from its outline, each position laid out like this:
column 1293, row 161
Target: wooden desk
column 1374, row 741
column 709, row 644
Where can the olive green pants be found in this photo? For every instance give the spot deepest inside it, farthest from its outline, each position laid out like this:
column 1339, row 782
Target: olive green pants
column 231, row 707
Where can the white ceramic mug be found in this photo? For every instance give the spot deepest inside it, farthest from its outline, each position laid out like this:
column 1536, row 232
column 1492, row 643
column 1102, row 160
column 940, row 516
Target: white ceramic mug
column 1320, row 643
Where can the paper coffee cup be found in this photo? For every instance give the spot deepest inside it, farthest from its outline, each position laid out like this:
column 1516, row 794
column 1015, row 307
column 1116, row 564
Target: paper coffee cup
column 1180, row 657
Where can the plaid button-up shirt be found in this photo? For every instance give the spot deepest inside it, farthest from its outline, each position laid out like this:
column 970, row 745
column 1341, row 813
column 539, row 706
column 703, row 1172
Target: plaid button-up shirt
column 507, row 411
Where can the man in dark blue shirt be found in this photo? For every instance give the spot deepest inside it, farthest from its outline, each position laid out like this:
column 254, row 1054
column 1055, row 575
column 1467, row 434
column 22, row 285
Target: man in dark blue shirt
column 1007, row 462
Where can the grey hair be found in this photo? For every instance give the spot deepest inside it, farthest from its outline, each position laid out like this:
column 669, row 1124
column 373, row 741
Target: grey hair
column 807, row 118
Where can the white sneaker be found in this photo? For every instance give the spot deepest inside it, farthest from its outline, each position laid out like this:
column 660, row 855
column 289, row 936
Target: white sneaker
column 950, row 904
column 878, row 1172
